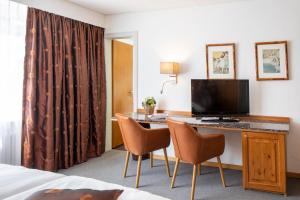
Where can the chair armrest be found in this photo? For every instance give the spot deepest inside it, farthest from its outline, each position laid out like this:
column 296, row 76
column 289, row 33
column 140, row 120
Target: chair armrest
column 158, row 131
column 158, row 134
column 157, row 138
column 212, row 137
column 213, row 145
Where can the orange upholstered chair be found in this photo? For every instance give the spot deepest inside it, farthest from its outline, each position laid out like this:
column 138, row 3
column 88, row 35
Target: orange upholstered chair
column 140, row 141
column 194, row 148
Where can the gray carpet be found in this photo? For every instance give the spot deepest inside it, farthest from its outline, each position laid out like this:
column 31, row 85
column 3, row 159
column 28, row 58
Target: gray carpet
column 109, row 168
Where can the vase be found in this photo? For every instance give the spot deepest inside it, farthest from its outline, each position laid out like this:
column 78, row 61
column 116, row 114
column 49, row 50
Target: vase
column 149, row 110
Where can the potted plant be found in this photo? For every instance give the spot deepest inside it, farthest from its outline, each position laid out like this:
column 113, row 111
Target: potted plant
column 149, row 104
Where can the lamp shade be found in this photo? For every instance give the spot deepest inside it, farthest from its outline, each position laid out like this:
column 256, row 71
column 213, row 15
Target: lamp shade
column 169, row 68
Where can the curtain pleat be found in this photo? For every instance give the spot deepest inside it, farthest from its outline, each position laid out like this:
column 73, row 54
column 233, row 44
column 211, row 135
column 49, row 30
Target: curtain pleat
column 64, row 102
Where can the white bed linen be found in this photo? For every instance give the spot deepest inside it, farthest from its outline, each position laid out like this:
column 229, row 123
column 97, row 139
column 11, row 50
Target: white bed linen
column 76, row 182
column 17, row 183
column 16, row 179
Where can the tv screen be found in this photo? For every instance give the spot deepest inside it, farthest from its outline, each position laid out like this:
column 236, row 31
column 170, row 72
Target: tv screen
column 220, row 97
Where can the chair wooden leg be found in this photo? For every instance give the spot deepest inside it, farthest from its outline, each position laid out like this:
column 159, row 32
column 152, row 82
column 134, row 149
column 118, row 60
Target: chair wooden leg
column 138, row 173
column 221, row 171
column 175, row 172
column 194, row 182
column 199, row 169
column 126, row 164
column 167, row 162
column 151, row 159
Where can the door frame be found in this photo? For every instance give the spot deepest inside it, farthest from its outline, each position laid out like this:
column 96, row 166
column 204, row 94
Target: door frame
column 108, row 37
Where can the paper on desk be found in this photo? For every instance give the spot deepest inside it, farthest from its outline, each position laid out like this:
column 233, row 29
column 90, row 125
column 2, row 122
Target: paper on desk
column 159, row 116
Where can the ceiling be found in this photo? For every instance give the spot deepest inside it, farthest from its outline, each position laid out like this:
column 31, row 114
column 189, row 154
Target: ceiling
column 109, row 7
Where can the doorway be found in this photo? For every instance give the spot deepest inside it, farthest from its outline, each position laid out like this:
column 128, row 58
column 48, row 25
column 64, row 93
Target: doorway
column 122, row 84
column 130, row 38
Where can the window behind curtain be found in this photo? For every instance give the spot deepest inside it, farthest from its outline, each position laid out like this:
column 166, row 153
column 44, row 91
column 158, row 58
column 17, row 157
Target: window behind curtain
column 12, row 51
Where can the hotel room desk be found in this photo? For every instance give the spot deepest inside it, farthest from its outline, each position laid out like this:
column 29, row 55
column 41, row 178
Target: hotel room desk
column 263, row 147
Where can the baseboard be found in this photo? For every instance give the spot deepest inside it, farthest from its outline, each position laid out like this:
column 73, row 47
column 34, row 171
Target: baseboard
column 159, row 157
column 293, row 175
column 209, row 164
column 225, row 166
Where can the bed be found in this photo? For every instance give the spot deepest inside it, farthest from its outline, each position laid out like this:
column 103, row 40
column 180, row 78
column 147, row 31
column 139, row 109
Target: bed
column 17, row 183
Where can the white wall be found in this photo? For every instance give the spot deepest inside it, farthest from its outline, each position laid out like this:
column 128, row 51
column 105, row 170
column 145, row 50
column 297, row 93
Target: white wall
column 181, row 35
column 67, row 9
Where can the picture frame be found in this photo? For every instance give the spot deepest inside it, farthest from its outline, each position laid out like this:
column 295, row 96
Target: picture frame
column 220, row 61
column 271, row 60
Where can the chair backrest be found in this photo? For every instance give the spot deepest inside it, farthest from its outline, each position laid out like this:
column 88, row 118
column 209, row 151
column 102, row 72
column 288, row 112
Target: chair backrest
column 186, row 141
column 132, row 134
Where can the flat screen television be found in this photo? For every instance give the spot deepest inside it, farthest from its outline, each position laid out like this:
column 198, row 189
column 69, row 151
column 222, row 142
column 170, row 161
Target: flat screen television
column 218, row 98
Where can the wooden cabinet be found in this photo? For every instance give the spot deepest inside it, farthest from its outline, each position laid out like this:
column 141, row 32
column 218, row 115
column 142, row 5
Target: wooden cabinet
column 264, row 162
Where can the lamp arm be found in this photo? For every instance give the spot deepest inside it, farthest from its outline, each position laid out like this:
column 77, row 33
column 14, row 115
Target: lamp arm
column 163, row 85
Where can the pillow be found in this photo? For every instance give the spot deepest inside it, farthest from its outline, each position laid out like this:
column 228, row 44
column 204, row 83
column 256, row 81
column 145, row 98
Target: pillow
column 79, row 194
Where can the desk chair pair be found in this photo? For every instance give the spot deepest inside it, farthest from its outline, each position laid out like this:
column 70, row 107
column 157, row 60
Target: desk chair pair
column 190, row 146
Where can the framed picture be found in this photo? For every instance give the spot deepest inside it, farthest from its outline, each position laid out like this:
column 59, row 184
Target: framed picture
column 271, row 60
column 220, row 61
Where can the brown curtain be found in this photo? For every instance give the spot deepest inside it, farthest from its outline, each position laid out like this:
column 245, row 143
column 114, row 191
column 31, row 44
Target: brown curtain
column 64, row 102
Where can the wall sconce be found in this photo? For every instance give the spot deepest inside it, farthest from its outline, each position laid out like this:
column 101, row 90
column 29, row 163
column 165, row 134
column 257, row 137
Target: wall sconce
column 171, row 68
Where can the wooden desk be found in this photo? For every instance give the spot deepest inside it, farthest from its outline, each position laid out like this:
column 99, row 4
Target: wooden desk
column 263, row 143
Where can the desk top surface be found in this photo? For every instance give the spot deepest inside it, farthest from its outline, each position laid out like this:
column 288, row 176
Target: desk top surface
column 274, row 127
